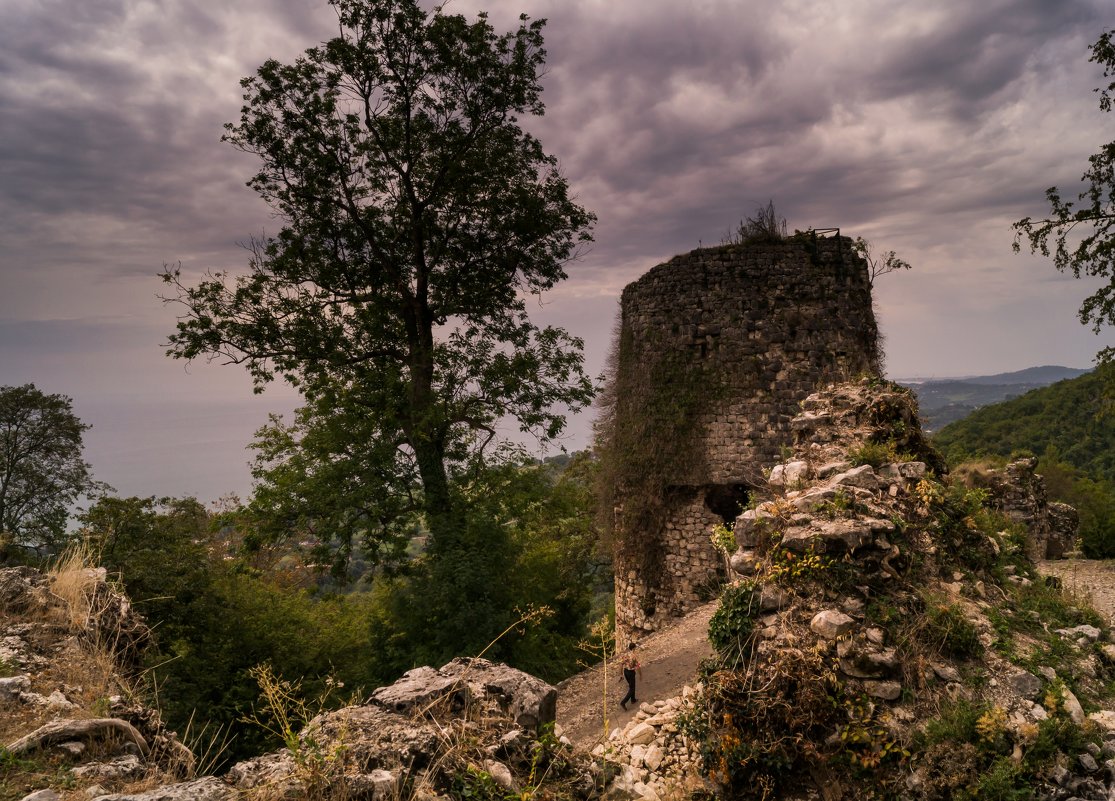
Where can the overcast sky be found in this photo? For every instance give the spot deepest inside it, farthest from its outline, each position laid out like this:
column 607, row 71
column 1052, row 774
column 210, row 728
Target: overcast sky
column 925, row 127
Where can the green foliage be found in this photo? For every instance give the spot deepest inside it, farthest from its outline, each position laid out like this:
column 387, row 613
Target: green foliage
column 42, row 473
column 312, row 481
column 158, row 548
column 1083, row 237
column 533, row 546
column 733, row 622
column 966, row 752
column 875, row 454
column 473, row 784
column 284, row 712
column 215, row 618
column 947, row 631
column 417, row 217
column 652, row 407
column 1069, row 417
column 961, row 521
column 1093, row 499
column 1049, row 605
column 786, row 568
column 754, row 742
column 1003, row 781
column 1055, row 735
column 1036, row 610
column 878, row 265
column 723, row 539
column 19, row 773
column 956, row 723
column 867, row 742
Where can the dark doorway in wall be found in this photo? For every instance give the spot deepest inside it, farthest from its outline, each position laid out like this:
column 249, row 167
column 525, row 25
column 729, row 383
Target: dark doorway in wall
column 726, row 501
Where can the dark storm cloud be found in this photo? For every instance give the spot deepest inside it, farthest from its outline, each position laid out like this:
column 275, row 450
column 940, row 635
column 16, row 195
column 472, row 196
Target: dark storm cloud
column 976, row 50
column 693, row 113
column 926, row 127
column 113, row 112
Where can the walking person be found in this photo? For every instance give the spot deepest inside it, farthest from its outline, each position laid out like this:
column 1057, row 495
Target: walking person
column 631, row 670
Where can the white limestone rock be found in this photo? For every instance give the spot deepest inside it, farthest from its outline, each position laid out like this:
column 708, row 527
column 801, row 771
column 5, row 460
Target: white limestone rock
column 207, row 789
column 790, row 474
column 862, row 476
column 641, row 734
column 884, row 690
column 831, row 624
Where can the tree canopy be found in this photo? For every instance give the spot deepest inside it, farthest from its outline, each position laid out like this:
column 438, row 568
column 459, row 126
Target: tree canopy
column 417, row 217
column 1081, row 238
column 42, row 472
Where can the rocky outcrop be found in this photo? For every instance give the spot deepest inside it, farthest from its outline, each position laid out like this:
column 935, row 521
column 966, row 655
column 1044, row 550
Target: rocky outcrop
column 426, row 732
column 528, row 701
column 1020, row 493
column 67, row 641
column 469, row 728
column 872, row 600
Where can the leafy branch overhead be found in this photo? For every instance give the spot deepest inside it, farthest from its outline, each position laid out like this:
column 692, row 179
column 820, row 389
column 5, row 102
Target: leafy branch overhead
column 417, row 217
column 1080, row 234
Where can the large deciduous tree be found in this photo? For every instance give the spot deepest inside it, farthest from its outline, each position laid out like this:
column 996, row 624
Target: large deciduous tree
column 1081, row 238
column 42, row 473
column 417, row 216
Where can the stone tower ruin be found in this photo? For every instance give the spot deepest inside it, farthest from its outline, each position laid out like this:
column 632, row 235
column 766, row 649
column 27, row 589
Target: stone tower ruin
column 716, row 349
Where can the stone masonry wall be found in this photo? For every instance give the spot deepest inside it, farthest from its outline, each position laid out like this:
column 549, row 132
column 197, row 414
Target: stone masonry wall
column 1019, row 492
column 716, row 350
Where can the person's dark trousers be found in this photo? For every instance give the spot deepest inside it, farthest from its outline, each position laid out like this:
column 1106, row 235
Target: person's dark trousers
column 630, row 697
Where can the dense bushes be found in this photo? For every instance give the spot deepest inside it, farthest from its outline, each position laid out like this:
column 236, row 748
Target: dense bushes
column 526, row 567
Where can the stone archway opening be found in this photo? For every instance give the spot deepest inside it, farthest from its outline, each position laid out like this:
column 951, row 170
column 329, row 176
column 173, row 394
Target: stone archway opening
column 726, row 501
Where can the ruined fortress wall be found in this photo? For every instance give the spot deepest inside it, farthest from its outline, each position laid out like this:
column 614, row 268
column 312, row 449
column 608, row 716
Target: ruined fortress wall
column 717, row 348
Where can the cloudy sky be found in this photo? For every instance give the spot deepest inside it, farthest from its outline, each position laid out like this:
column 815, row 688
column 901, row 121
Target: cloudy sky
column 925, row 127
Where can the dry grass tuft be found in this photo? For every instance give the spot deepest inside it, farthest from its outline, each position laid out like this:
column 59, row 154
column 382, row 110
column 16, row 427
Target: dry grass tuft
column 73, row 580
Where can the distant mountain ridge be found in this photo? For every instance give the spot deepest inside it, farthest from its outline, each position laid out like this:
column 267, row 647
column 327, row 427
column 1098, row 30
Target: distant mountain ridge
column 946, row 400
column 1070, row 417
column 1039, row 376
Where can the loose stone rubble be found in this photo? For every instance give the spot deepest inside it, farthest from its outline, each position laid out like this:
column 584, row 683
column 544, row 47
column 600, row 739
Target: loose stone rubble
column 871, row 520
column 653, row 758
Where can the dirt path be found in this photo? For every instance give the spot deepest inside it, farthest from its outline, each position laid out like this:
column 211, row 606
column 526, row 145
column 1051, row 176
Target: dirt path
column 670, row 657
column 669, row 660
column 1092, row 579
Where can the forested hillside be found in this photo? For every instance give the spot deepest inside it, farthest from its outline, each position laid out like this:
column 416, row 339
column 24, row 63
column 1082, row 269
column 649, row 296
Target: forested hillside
column 1070, row 425
column 944, row 401
column 1074, row 418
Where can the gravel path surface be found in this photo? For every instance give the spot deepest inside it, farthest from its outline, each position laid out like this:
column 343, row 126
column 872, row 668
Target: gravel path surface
column 669, row 659
column 1092, row 579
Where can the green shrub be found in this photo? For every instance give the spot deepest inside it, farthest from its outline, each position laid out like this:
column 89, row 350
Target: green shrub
column 733, row 622
column 1003, row 781
column 947, row 631
column 1056, row 734
column 1052, row 606
column 875, row 454
column 956, row 723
